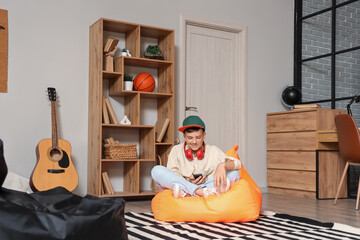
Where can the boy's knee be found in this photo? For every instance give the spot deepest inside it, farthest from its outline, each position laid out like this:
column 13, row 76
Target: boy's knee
column 233, row 175
column 156, row 170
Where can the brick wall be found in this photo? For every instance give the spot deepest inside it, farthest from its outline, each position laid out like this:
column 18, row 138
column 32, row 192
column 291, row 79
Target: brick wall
column 316, row 83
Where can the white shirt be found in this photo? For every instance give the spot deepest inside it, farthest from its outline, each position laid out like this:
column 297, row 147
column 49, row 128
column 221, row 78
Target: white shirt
column 183, row 167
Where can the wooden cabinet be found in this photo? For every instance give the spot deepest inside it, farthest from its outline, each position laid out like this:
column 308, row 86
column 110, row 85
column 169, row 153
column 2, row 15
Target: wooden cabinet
column 129, row 177
column 295, row 165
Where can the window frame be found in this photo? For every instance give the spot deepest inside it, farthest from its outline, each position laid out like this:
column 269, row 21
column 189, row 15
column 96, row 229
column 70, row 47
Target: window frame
column 298, row 61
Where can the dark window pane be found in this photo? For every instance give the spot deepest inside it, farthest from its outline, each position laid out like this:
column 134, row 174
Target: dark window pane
column 348, row 26
column 347, row 76
column 316, row 35
column 311, row 6
column 316, row 80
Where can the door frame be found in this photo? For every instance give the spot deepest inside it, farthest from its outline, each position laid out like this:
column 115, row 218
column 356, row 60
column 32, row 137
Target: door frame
column 242, row 33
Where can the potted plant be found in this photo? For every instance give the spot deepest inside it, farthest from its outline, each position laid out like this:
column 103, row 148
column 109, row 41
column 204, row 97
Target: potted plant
column 153, row 52
column 125, row 52
column 128, row 82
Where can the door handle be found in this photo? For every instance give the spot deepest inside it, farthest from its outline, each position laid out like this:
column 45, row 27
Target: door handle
column 177, row 141
column 191, row 109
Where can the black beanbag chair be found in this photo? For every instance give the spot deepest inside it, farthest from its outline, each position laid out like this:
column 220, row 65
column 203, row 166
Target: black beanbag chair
column 58, row 214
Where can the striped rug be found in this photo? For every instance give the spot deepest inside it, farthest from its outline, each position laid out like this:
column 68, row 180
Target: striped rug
column 268, row 226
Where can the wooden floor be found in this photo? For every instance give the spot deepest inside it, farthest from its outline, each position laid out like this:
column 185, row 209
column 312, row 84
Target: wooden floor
column 321, row 210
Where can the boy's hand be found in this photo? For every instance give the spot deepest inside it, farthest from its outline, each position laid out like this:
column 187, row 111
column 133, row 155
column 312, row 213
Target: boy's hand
column 220, row 177
column 197, row 181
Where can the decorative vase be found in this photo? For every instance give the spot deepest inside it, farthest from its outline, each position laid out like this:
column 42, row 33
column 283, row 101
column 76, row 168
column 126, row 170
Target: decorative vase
column 128, row 85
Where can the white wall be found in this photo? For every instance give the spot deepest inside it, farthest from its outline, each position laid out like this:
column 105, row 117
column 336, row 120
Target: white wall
column 49, row 46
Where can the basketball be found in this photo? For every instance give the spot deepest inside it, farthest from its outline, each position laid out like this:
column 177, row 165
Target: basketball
column 144, row 82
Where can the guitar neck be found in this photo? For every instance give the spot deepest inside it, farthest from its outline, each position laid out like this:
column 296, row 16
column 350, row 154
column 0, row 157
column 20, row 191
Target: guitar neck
column 54, row 137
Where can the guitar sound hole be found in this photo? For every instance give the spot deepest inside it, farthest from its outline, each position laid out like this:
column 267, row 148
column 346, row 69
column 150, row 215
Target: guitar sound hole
column 55, row 154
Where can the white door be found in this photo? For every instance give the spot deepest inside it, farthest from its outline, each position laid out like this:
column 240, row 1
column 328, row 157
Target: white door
column 214, row 84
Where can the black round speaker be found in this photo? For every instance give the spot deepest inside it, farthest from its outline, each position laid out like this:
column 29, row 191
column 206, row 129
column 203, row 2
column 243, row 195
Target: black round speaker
column 291, row 95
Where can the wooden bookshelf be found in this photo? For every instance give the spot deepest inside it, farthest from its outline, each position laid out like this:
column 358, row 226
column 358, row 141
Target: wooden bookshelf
column 135, row 39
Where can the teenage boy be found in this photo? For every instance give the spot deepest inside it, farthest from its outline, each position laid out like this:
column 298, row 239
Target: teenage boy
column 195, row 168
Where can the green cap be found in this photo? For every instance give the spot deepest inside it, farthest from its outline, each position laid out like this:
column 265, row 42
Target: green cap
column 192, row 121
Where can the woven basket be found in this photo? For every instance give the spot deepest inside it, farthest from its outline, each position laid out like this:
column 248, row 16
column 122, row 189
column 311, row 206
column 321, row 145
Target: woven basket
column 120, row 150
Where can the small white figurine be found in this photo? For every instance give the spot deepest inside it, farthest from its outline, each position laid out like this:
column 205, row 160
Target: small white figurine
column 125, row 121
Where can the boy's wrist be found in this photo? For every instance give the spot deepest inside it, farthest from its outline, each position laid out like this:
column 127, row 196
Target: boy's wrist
column 223, row 164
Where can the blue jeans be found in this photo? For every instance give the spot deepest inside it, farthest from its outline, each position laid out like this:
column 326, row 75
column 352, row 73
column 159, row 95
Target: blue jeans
column 165, row 179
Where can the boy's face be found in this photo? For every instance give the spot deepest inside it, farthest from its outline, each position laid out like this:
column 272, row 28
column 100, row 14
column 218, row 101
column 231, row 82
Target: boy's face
column 195, row 139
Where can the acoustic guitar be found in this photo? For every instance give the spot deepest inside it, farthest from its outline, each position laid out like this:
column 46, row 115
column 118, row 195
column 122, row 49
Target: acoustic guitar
column 54, row 166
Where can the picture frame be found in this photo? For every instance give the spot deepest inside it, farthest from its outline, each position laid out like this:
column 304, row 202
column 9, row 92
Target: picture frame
column 3, row 50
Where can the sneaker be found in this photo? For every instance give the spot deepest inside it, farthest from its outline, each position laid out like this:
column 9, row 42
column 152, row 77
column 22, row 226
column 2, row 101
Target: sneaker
column 210, row 191
column 177, row 191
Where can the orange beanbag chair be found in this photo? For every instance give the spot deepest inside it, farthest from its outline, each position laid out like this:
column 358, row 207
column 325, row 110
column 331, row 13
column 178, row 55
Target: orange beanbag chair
column 241, row 203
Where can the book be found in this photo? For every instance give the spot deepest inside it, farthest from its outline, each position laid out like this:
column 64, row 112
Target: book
column 102, row 188
column 106, row 119
column 107, row 184
column 303, row 106
column 110, row 109
column 160, row 129
column 110, row 44
column 107, row 44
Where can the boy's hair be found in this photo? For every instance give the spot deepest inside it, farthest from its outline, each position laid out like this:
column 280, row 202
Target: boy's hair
column 193, row 129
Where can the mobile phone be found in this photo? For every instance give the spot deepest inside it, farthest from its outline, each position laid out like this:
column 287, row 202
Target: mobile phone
column 196, row 175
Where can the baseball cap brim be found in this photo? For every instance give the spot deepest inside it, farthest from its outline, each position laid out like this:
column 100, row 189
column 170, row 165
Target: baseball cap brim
column 182, row 129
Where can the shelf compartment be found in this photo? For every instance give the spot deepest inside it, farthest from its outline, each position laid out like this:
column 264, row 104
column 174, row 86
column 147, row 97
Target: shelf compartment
column 163, row 71
column 131, row 177
column 132, row 34
column 163, row 151
column 143, row 136
column 130, row 183
column 145, row 173
column 132, row 108
column 124, row 105
column 165, row 110
column 118, row 26
column 154, row 32
column 164, row 37
column 147, row 143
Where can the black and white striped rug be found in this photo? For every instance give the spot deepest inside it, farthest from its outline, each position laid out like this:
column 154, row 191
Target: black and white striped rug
column 268, row 226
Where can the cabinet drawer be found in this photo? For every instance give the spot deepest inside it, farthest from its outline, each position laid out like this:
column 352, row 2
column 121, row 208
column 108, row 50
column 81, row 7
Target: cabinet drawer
column 289, row 179
column 291, row 141
column 298, row 193
column 292, row 160
column 294, row 121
